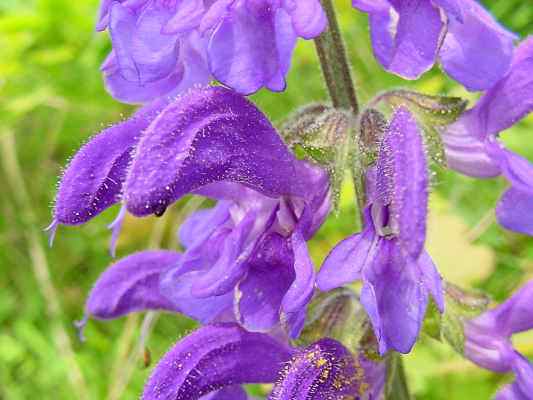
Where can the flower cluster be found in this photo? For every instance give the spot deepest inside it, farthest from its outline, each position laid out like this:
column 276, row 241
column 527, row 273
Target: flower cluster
column 245, row 272
column 165, row 47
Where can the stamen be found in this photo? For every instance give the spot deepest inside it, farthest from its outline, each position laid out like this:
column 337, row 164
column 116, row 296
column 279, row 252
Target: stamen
column 116, row 227
column 51, row 231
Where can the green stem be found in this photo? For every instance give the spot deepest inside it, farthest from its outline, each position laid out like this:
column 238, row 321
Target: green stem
column 337, row 74
column 396, row 383
column 334, row 63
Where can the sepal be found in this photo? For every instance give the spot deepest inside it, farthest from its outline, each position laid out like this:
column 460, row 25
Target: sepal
column 321, row 134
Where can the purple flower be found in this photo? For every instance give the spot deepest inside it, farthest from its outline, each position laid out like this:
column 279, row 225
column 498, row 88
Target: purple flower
column 408, row 36
column 388, row 255
column 488, row 342
column 164, row 47
column 249, row 253
column 216, row 359
column 472, row 145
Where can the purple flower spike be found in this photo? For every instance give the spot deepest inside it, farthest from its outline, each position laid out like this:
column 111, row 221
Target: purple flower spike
column 205, row 136
column 324, row 370
column 212, row 358
column 388, row 255
column 408, row 36
column 132, row 284
column 488, row 342
column 472, row 145
column 93, row 179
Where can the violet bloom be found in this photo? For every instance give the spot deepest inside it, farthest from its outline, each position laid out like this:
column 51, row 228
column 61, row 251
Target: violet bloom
column 409, row 36
column 250, row 251
column 213, row 361
column 161, row 48
column 488, row 342
column 472, row 145
column 388, row 255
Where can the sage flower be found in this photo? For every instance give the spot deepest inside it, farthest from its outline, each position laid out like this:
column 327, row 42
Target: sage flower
column 473, row 147
column 216, row 359
column 488, row 342
column 388, row 255
column 408, row 37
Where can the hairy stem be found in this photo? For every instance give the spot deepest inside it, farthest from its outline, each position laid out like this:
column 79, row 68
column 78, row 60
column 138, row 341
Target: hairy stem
column 334, row 63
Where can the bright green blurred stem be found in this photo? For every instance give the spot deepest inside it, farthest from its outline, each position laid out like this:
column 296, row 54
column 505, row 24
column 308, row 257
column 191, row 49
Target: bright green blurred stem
column 337, row 74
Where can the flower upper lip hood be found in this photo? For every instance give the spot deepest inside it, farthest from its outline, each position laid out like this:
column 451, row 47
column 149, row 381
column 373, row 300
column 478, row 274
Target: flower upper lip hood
column 388, row 255
column 165, row 47
column 409, row 36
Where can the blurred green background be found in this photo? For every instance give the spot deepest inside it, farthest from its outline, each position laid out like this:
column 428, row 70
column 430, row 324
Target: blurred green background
column 52, row 100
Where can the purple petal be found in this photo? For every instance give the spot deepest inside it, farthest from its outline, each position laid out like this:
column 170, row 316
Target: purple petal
column 190, row 70
column 143, row 53
column 431, row 279
column 465, row 148
column 405, row 40
column 175, row 285
column 514, row 211
column 93, row 179
column 187, row 17
column 402, row 181
column 200, row 225
column 512, row 316
column 208, row 135
column 347, row 260
column 228, row 393
column 249, row 47
column 394, row 299
column 511, row 98
column 308, row 18
column 301, row 289
column 131, row 284
column 517, row 169
column 270, row 273
column 232, row 262
column 476, row 51
column 324, row 370
column 214, row 357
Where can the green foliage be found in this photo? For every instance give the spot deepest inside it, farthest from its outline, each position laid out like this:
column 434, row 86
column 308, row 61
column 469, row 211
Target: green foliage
column 52, row 99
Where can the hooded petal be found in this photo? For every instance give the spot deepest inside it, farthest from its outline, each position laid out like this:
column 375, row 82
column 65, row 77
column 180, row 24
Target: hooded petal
column 214, row 357
column 406, row 38
column 403, row 181
column 394, row 299
column 93, row 179
column 510, row 99
column 244, row 49
column 476, row 51
column 132, row 284
column 208, row 135
column 324, row 370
